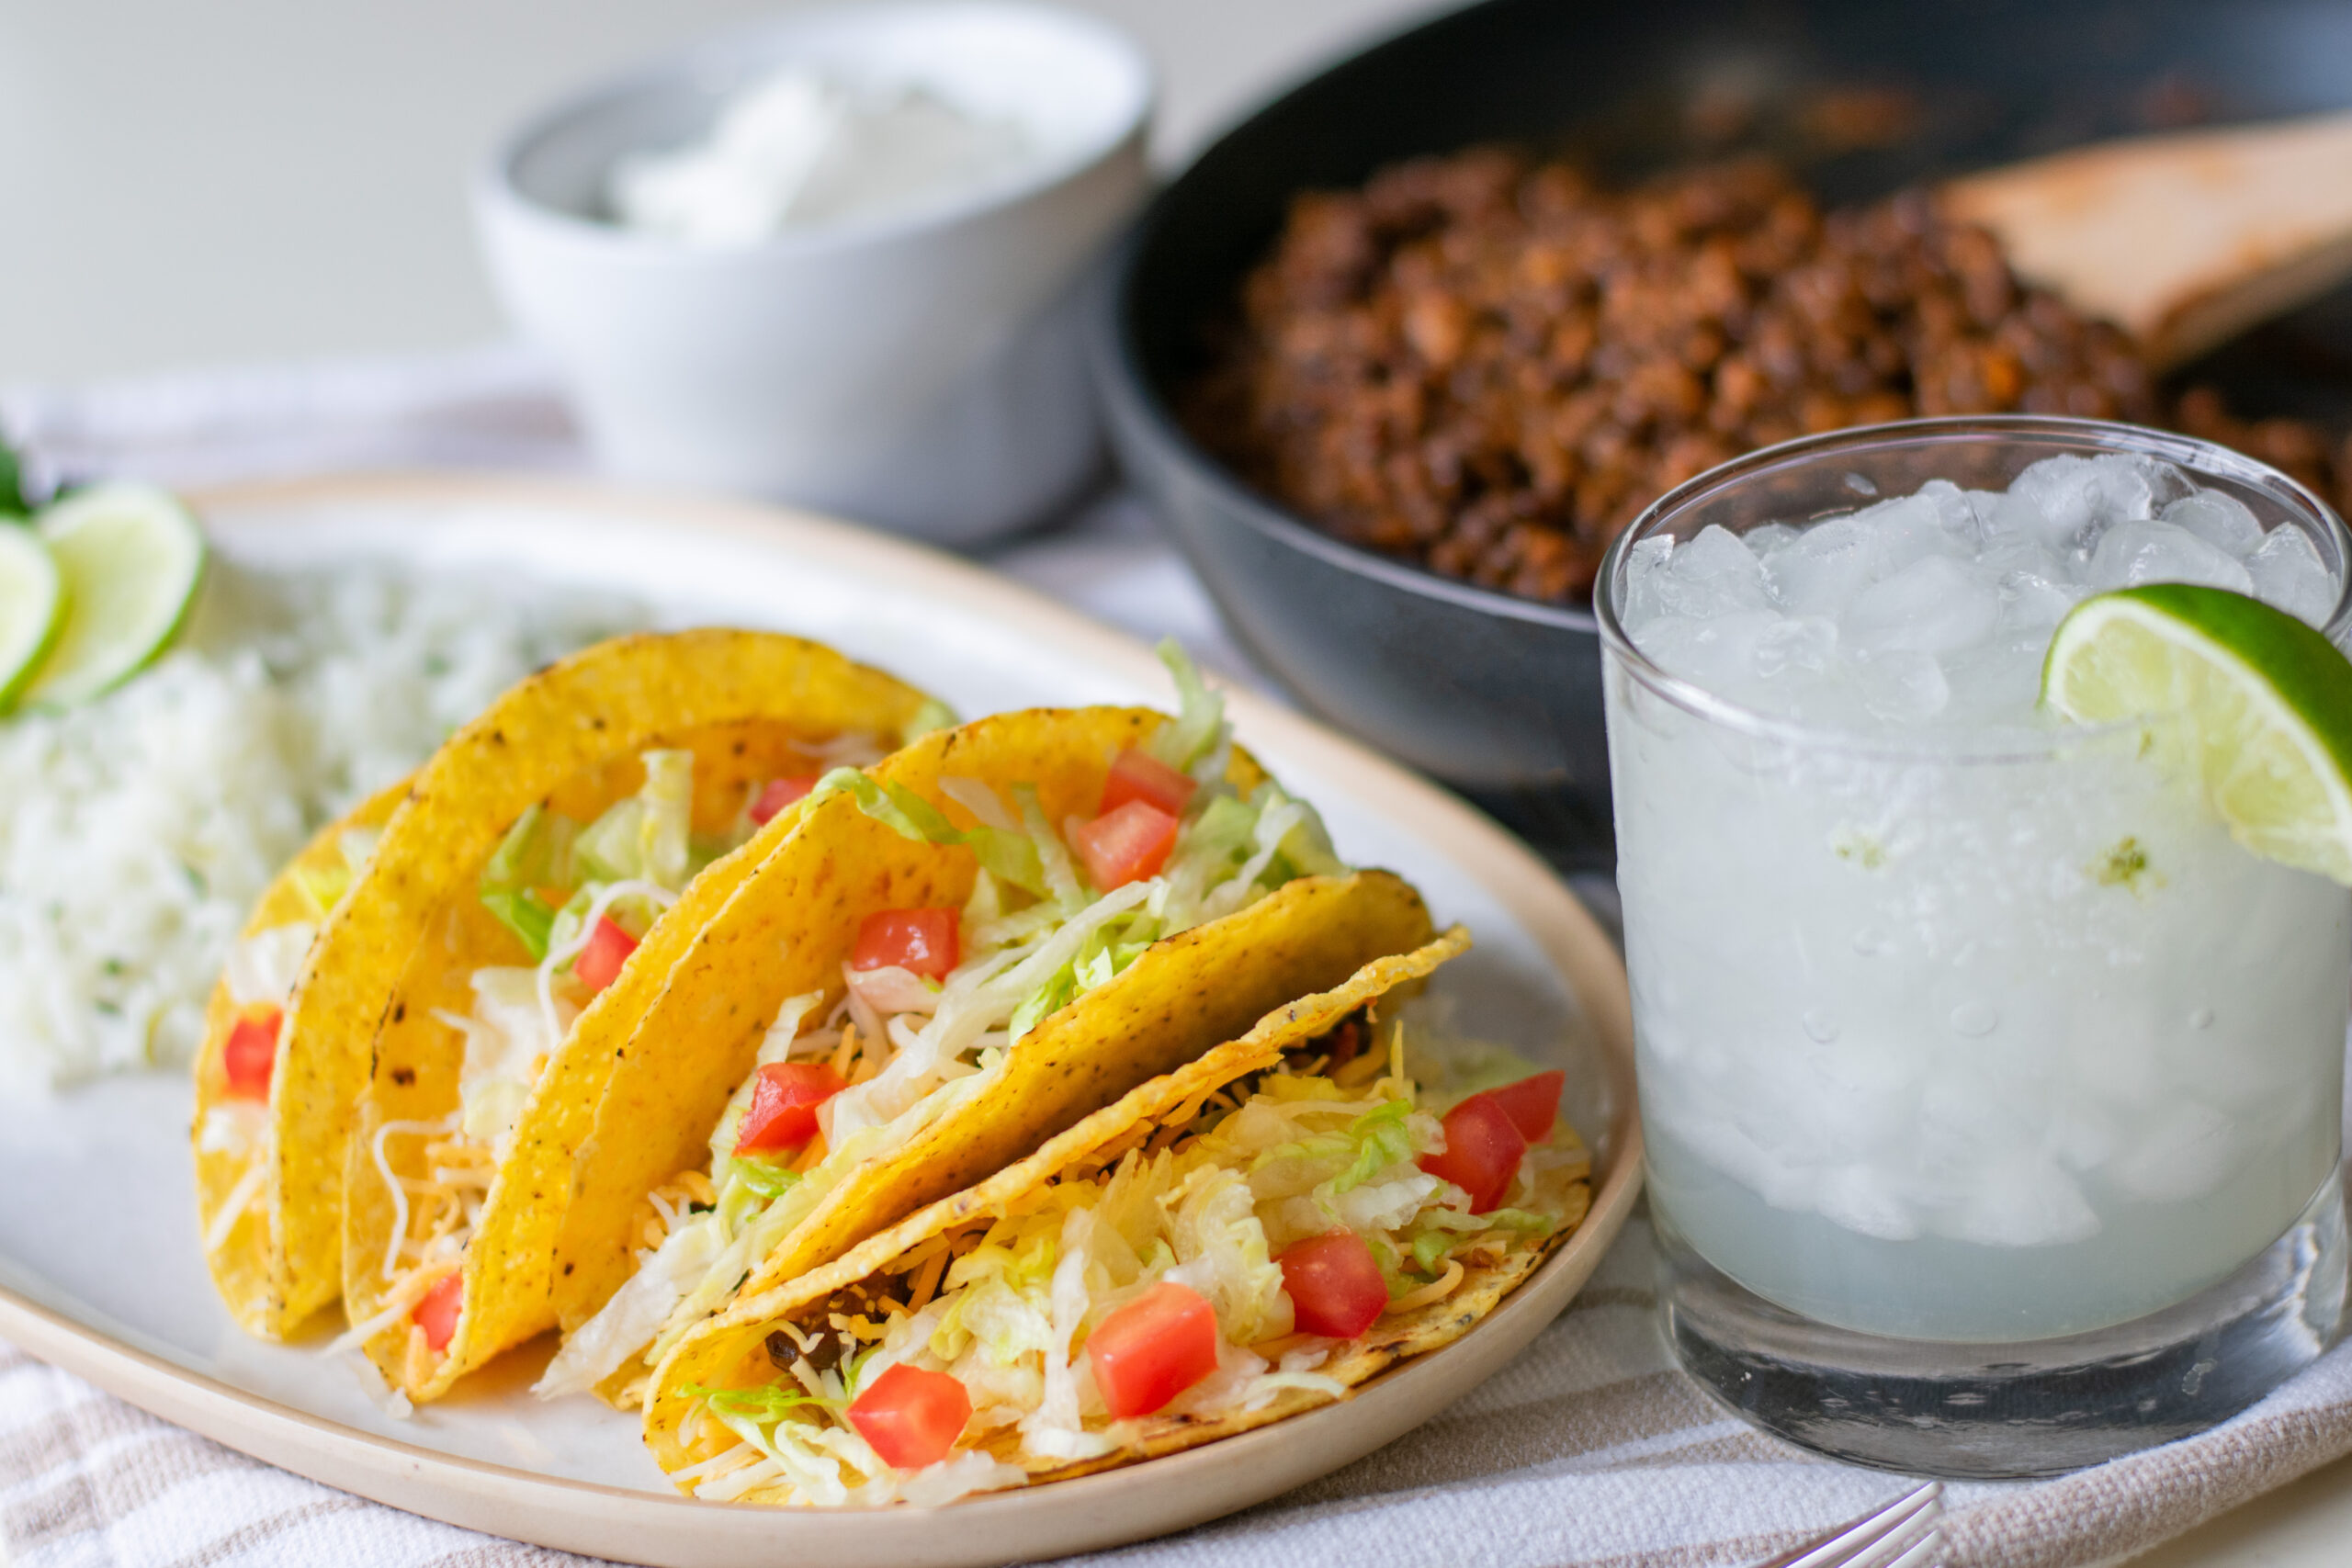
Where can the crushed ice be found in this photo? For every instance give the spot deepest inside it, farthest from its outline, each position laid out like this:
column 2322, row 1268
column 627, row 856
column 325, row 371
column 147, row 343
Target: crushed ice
column 1938, row 606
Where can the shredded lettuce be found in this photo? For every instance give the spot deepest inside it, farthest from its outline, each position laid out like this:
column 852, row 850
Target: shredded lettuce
column 1215, row 1226
column 767, row 1402
column 934, row 715
column 1370, row 1144
column 1382, row 1140
column 536, row 851
column 536, row 854
column 645, row 838
column 763, row 1179
column 1222, row 831
column 523, row 913
column 1200, row 713
column 1045, row 1001
column 609, row 849
column 322, row 886
column 1494, row 1220
column 1008, row 856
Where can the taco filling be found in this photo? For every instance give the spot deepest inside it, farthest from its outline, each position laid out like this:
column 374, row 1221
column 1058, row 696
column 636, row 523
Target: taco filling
column 577, row 897
column 1250, row 1244
column 933, row 999
column 259, row 980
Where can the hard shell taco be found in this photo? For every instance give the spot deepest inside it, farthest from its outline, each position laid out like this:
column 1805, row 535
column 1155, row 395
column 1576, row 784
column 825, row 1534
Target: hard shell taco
column 541, row 931
column 236, row 1065
column 954, row 957
column 582, row 720
column 1249, row 1237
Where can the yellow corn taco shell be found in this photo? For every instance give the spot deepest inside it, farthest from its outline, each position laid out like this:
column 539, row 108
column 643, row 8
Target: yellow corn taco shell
column 731, row 1351
column 800, row 696
column 570, row 734
column 790, row 928
column 231, row 1131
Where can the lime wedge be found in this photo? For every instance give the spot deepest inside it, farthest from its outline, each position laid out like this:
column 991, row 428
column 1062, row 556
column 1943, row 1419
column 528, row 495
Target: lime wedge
column 2267, row 700
column 132, row 558
column 32, row 607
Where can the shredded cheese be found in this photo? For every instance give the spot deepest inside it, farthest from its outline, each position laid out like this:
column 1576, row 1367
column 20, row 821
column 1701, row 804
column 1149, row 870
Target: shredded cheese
column 926, row 1281
column 397, row 1302
column 557, row 956
column 393, row 1184
column 1436, row 1291
column 232, row 1207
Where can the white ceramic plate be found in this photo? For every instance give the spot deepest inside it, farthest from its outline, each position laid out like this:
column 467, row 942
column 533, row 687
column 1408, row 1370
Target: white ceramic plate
column 102, row 1274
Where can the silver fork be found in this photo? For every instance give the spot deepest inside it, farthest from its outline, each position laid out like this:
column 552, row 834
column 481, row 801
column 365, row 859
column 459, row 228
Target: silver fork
column 1906, row 1533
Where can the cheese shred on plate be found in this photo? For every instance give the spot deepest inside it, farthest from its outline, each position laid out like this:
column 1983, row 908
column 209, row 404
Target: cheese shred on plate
column 136, row 831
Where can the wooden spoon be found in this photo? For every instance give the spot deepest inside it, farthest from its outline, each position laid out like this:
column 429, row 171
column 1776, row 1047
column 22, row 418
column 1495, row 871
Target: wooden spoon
column 2183, row 240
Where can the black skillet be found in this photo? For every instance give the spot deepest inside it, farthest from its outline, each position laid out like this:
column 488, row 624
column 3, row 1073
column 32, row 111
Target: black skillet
column 1500, row 697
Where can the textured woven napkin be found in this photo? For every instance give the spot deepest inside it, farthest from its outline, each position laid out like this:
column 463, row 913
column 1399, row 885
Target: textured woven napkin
column 1590, row 1449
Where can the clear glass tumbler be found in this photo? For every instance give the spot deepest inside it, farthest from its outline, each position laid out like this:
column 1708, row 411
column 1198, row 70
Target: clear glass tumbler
column 1993, row 1094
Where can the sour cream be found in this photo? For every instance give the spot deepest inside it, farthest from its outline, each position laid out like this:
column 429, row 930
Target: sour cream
column 799, row 149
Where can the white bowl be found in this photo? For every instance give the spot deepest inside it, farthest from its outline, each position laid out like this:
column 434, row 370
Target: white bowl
column 922, row 368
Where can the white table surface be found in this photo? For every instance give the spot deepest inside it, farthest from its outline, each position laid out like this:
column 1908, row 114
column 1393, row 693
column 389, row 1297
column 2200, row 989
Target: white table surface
column 196, row 183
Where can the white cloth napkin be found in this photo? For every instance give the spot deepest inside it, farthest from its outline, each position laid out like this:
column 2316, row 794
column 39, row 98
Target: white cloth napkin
column 1591, row 1451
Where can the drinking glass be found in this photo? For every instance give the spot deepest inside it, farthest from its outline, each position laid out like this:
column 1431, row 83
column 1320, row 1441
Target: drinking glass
column 1992, row 1093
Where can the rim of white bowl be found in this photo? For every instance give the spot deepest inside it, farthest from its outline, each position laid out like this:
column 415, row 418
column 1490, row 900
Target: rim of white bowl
column 1121, row 52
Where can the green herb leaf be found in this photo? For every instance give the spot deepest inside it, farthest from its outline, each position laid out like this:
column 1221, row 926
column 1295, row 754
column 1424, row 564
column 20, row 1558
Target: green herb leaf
column 13, row 502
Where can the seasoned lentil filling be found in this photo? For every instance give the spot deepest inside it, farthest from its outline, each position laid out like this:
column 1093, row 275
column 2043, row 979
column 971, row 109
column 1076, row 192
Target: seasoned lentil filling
column 1488, row 366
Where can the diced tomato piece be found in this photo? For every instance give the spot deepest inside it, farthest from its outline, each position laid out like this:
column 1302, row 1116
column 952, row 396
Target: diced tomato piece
column 1482, row 1149
column 1153, row 1349
column 779, row 794
column 1139, row 775
column 1126, row 845
column 1334, row 1284
column 599, row 963
column 912, row 1416
column 783, row 1112
column 1533, row 1103
column 249, row 1056
column 437, row 1314
column 923, row 941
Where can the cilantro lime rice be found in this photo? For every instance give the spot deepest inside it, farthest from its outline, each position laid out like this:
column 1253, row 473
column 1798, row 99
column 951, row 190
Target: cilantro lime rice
column 136, row 831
